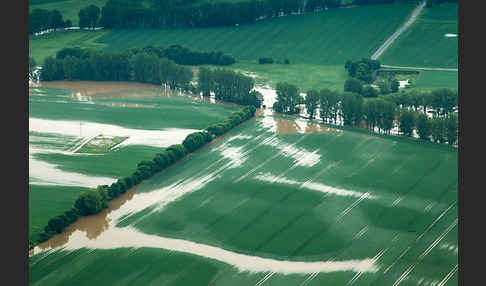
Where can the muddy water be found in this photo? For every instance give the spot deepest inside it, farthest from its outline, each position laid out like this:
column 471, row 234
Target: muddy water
column 84, row 90
column 97, row 232
column 290, row 126
column 92, row 225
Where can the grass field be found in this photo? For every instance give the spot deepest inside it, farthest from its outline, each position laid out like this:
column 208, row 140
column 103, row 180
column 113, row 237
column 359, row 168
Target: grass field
column 438, row 79
column 60, row 119
column 46, row 202
column 324, row 38
column 424, row 44
column 336, row 195
column 46, row 45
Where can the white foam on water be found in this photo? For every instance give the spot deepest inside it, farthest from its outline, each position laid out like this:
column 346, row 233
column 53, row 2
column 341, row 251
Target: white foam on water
column 43, row 173
column 450, row 35
column 128, row 237
column 269, row 95
column 156, row 138
column 267, row 177
column 301, row 156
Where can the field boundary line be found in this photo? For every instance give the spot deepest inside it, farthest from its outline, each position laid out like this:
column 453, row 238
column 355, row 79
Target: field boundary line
column 421, row 68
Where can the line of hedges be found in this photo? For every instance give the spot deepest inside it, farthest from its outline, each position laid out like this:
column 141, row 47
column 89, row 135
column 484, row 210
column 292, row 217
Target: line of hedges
column 95, row 200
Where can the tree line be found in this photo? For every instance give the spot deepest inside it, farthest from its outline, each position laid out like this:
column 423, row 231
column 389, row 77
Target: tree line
column 154, row 65
column 43, row 19
column 405, row 110
column 195, row 13
column 95, row 200
column 121, row 14
column 228, row 86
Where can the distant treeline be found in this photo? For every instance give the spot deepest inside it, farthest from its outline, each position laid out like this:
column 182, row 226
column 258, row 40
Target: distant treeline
column 94, row 201
column 154, row 65
column 385, row 113
column 122, row 14
column 42, row 19
column 195, row 13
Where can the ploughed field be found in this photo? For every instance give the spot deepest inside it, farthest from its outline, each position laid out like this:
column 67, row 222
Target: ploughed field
column 85, row 134
column 276, row 201
column 426, row 42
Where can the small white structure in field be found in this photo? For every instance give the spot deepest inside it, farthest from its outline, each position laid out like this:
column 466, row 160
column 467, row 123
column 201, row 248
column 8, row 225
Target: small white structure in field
column 403, row 83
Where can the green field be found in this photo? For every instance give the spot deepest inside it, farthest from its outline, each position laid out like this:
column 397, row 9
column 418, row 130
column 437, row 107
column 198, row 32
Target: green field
column 296, row 197
column 317, row 45
column 53, row 149
column 46, row 45
column 325, row 38
column 424, row 44
column 438, row 79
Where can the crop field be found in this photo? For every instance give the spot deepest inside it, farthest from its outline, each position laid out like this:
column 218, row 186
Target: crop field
column 276, row 201
column 317, row 45
column 425, row 43
column 66, row 155
column 438, row 79
column 324, row 38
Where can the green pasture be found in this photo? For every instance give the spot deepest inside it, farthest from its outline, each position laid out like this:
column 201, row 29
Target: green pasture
column 438, row 79
column 329, row 37
column 304, row 76
column 46, row 45
column 296, row 218
column 45, row 202
column 424, row 43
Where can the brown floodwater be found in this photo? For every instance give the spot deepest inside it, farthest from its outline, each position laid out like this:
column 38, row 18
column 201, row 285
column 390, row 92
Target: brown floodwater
column 103, row 88
column 292, row 126
column 92, row 225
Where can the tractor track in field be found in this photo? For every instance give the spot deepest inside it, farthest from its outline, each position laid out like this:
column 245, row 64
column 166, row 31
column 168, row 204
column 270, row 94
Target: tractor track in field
column 398, row 32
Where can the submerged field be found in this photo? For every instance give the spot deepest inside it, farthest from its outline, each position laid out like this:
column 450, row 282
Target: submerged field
column 67, row 120
column 427, row 42
column 275, row 202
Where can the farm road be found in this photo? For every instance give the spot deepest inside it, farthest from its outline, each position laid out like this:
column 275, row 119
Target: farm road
column 397, row 33
column 420, row 68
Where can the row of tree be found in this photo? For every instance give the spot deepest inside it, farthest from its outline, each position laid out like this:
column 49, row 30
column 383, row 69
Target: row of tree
column 94, row 201
column 442, row 101
column 228, row 86
column 42, row 19
column 195, row 13
column 384, row 114
column 118, row 66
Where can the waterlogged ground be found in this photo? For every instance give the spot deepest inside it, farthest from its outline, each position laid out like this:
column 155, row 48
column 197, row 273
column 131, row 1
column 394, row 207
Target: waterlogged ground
column 272, row 203
column 68, row 120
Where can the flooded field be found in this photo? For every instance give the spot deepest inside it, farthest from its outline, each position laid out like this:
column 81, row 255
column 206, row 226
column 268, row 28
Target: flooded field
column 276, row 206
column 67, row 120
